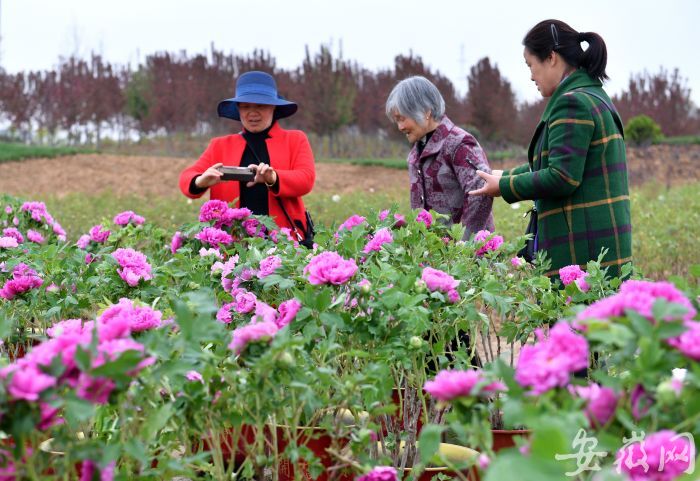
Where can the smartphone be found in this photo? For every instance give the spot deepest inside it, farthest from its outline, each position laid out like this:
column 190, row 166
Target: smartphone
column 243, row 174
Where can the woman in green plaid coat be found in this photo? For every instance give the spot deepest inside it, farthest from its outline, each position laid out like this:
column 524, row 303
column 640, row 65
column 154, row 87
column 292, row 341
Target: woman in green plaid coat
column 577, row 168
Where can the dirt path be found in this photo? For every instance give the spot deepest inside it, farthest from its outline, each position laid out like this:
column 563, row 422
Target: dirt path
column 158, row 176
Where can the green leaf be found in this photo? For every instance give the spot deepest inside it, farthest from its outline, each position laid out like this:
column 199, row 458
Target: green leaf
column 156, row 421
column 429, row 442
column 126, row 362
column 694, row 270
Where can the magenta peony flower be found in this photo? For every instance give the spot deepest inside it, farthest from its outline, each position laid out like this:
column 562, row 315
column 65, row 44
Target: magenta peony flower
column 128, row 216
column 437, row 280
column 448, row 385
column 212, row 210
column 28, row 383
column 264, row 312
column 94, row 389
column 83, row 241
column 492, row 242
column 133, row 266
column 251, row 227
column 602, row 402
column 453, row 296
column 13, row 232
column 136, row 318
column 253, row 332
column 688, row 343
column 350, row 223
column 269, row 265
column 383, row 215
column 661, row 456
column 65, row 327
column 214, row 237
column 23, row 279
column 381, row 237
column 98, row 235
column 638, row 296
column 399, row 221
column 287, row 312
column 425, row 217
column 176, row 242
column 38, row 212
column 35, row 236
column 549, row 362
column 570, row 273
column 330, row 268
column 380, row 473
column 58, row 230
column 89, row 468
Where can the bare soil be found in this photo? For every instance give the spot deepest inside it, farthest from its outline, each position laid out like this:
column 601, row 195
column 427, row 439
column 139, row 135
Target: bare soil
column 158, row 176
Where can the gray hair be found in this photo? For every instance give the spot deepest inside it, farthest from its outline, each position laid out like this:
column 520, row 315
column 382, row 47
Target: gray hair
column 414, row 97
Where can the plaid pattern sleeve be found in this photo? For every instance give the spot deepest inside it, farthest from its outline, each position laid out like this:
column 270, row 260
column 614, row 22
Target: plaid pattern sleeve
column 520, row 169
column 569, row 132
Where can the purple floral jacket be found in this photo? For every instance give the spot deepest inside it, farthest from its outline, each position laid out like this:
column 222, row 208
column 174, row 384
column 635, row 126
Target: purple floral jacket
column 445, row 172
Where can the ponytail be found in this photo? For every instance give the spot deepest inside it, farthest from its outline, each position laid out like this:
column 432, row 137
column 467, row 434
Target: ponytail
column 595, row 57
column 555, row 35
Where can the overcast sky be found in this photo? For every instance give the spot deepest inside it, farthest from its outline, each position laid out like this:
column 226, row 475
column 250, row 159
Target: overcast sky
column 450, row 36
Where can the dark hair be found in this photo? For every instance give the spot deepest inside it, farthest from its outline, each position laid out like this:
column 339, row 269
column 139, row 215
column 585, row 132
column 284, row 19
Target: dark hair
column 557, row 36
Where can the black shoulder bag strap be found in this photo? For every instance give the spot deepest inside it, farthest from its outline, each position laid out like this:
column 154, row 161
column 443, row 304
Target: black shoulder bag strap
column 279, row 201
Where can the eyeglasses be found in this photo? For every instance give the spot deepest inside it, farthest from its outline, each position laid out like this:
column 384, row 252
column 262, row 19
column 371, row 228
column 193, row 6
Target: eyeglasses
column 555, row 35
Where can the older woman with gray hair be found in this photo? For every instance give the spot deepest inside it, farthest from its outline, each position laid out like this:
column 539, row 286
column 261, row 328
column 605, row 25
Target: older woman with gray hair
column 444, row 158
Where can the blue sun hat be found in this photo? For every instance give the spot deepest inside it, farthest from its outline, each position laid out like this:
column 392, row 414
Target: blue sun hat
column 256, row 88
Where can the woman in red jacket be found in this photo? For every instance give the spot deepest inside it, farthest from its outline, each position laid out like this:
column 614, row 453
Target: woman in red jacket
column 281, row 159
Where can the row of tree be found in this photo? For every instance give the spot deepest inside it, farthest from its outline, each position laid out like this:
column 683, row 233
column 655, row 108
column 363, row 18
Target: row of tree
column 170, row 93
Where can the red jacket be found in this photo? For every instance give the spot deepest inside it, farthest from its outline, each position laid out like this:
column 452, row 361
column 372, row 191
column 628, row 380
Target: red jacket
column 290, row 156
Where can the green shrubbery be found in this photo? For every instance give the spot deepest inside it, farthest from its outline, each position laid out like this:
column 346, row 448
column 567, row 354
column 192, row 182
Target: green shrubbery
column 642, row 130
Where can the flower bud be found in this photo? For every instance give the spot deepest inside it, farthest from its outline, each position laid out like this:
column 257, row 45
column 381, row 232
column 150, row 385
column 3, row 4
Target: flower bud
column 420, row 285
column 286, row 359
column 416, row 342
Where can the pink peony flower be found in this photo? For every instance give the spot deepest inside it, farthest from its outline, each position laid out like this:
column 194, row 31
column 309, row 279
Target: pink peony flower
column 383, row 215
column 264, row 312
column 453, row 296
column 58, row 230
column 380, row 473
column 661, row 456
column 638, row 296
column 133, row 266
column 449, row 385
column 381, row 237
column 350, row 223
column 492, row 242
column 251, row 227
column 688, row 343
column 570, row 273
column 517, row 262
column 35, row 236
column 330, row 268
column 83, row 241
column 136, row 318
column 194, row 376
column 176, row 242
column 212, row 210
column 425, row 217
column 8, row 242
column 89, row 468
column 128, row 216
column 245, row 302
column 253, row 332
column 269, row 265
column 223, row 315
column 38, row 212
column 437, row 280
column 94, row 389
column 549, row 362
column 98, row 235
column 28, row 383
column 602, row 402
column 287, row 312
column 214, row 237
column 13, row 232
column 212, row 251
column 399, row 221
column 23, row 279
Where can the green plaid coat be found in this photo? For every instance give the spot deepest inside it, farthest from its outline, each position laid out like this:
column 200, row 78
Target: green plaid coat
column 577, row 176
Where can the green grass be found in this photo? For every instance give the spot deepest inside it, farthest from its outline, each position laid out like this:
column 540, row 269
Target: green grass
column 11, row 151
column 666, row 223
column 679, row 140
